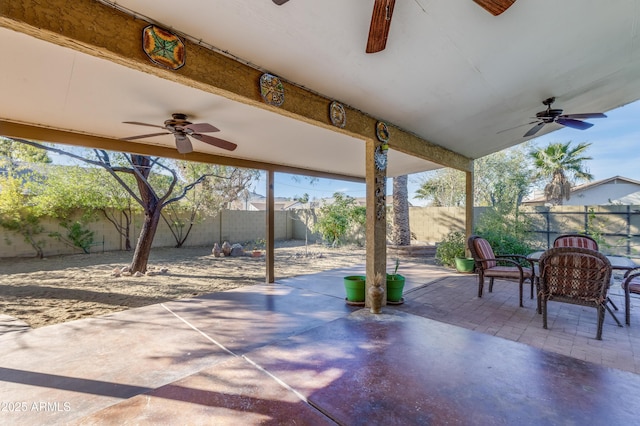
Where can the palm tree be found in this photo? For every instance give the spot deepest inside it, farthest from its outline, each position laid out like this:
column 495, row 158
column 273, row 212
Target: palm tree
column 562, row 164
column 401, row 235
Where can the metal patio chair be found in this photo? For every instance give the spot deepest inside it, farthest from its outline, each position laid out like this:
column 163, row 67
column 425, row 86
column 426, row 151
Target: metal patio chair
column 584, row 241
column 631, row 284
column 574, row 275
column 507, row 266
column 575, row 240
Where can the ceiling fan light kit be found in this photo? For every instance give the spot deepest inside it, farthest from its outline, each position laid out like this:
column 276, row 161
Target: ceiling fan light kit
column 183, row 144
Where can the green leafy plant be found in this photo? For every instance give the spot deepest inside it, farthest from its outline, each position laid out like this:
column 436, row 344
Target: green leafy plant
column 395, row 270
column 77, row 236
column 507, row 232
column 18, row 212
column 337, row 218
column 595, row 229
column 451, row 247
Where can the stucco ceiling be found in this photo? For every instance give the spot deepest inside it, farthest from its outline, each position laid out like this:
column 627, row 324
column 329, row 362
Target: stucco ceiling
column 451, row 74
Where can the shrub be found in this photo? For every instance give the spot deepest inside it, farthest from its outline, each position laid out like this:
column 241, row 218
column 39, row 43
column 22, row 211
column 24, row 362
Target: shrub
column 451, row 247
column 504, row 243
column 337, row 218
column 507, row 232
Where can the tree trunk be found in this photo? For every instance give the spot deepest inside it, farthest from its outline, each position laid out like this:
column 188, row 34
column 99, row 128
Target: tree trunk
column 401, row 235
column 143, row 248
column 152, row 213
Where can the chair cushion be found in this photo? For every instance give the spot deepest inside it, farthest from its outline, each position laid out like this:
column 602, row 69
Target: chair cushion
column 576, row 241
column 484, row 250
column 507, row 272
column 634, row 285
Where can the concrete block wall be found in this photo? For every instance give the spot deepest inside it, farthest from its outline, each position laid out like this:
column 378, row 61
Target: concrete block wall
column 428, row 224
column 233, row 226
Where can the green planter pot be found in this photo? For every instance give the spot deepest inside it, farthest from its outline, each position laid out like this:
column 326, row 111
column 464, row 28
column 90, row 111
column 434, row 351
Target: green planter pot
column 465, row 265
column 395, row 287
column 354, row 286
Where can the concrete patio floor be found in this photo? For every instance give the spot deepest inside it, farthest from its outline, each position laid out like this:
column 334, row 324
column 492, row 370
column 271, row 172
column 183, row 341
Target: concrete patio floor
column 296, row 353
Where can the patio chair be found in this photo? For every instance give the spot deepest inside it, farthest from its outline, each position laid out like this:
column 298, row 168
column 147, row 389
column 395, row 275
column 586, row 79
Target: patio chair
column 583, row 241
column 506, row 266
column 574, row 240
column 574, row 275
column 631, row 284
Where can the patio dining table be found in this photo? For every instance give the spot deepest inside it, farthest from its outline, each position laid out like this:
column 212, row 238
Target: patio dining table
column 620, row 263
column 617, row 262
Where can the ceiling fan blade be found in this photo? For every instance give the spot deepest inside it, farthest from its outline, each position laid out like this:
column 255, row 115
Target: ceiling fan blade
column 515, row 127
column 575, row 124
column 131, row 138
column 183, row 144
column 586, row 115
column 202, row 128
column 495, row 7
column 380, row 24
column 142, row 124
column 534, row 129
column 220, row 143
column 280, row 2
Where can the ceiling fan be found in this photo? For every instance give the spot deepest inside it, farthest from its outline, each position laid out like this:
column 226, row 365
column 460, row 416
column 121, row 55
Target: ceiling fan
column 383, row 10
column 552, row 115
column 181, row 129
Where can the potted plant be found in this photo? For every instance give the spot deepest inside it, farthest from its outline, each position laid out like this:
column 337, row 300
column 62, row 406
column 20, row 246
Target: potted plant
column 450, row 252
column 395, row 286
column 354, row 285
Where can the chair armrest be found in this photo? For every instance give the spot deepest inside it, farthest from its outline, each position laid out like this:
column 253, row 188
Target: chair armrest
column 503, row 257
column 631, row 270
column 628, row 277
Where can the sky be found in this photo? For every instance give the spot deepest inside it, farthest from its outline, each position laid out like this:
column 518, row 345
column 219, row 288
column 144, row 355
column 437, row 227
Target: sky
column 615, row 149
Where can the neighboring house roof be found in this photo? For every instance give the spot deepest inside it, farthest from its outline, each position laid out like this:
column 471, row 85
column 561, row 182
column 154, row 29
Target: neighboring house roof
column 255, row 201
column 614, row 190
column 277, row 205
column 259, row 202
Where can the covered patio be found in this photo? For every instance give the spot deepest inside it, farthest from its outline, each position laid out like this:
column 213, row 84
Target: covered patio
column 446, row 89
column 294, row 352
column 455, row 83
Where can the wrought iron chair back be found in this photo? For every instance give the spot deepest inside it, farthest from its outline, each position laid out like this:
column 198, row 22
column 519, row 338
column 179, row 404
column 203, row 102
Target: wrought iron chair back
column 574, row 275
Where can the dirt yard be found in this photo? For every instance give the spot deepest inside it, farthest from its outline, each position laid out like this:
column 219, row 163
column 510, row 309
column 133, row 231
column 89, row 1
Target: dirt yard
column 64, row 288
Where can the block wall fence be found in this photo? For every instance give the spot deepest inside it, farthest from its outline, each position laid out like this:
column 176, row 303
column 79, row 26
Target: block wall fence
column 617, row 226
